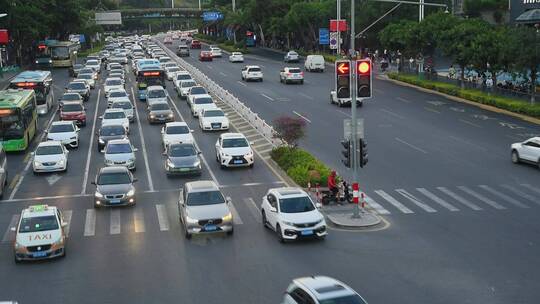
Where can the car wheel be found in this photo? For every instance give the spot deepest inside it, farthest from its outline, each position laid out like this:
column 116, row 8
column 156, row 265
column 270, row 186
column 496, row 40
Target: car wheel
column 64, row 253
column 538, row 163
column 515, row 157
column 261, row 80
column 301, row 82
column 264, row 220
column 279, row 234
column 251, row 166
column 186, row 233
column 17, row 261
column 230, row 232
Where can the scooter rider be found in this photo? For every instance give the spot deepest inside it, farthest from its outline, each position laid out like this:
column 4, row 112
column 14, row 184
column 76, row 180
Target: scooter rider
column 332, row 184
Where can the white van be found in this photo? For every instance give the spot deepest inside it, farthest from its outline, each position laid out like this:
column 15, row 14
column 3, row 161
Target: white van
column 314, row 63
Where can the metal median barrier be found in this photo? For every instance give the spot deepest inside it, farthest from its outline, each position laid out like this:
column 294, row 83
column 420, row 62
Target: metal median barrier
column 260, row 125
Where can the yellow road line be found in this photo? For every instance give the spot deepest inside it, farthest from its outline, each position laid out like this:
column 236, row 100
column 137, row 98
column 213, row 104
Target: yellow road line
column 14, row 181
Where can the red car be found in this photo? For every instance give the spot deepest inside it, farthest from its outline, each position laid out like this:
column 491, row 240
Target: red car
column 205, row 56
column 195, row 44
column 167, row 40
column 73, row 110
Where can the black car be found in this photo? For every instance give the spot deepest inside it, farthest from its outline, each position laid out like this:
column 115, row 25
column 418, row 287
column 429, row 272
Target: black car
column 182, row 158
column 114, row 187
column 79, row 87
column 109, row 132
column 74, row 70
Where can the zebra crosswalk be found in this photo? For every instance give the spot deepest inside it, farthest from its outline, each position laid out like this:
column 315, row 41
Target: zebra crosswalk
column 453, row 199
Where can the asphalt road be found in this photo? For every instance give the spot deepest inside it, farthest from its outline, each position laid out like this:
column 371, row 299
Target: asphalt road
column 139, row 254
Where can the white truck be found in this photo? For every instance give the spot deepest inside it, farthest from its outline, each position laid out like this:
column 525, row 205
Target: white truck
column 342, row 102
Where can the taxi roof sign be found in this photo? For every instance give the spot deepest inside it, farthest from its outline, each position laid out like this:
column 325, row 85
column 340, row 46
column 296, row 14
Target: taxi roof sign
column 38, row 208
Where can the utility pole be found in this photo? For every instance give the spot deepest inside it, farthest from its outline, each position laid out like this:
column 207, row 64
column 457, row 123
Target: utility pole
column 354, row 120
column 338, row 9
column 421, row 11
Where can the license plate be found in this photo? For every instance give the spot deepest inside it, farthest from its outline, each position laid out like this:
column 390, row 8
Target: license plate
column 238, row 161
column 39, row 254
column 307, row 232
column 216, row 126
column 184, row 169
column 210, row 228
column 115, row 201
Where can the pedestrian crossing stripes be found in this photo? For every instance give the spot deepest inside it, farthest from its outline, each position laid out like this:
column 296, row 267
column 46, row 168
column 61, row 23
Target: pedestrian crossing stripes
column 437, row 199
column 90, row 223
column 459, row 198
column 503, row 196
column 115, row 226
column 378, row 208
column 480, row 197
column 416, row 201
column 162, row 217
column 393, row 201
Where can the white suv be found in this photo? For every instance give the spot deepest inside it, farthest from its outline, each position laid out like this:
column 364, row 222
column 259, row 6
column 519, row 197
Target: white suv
column 320, row 289
column 527, row 151
column 291, row 213
column 252, row 72
column 233, row 150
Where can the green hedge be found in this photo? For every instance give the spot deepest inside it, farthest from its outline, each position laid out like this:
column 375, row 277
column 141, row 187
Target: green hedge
column 300, row 165
column 226, row 45
column 510, row 104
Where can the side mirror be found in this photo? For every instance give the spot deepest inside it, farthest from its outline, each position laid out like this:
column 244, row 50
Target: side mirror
column 273, row 209
column 64, row 224
column 135, row 149
column 135, row 179
column 191, row 130
column 228, row 199
column 32, row 153
column 100, row 117
column 13, row 229
column 318, row 205
column 93, row 182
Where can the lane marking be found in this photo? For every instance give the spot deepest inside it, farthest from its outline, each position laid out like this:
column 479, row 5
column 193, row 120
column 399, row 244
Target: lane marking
column 9, row 236
column 252, row 184
column 344, row 113
column 393, row 201
column 522, row 194
column 138, row 220
column 145, row 155
column 67, row 219
column 87, row 168
column 236, row 216
column 392, row 113
column 306, row 96
column 90, row 222
column 431, row 110
column 265, row 145
column 239, row 82
column 467, row 142
column 250, row 203
column 268, row 97
column 459, row 198
column 437, row 199
column 411, row 145
column 482, row 198
column 469, row 123
column 373, row 204
column 403, row 99
column 266, row 151
column 162, row 217
column 504, row 196
column 533, row 189
column 41, row 198
column 14, row 181
column 415, row 200
column 26, row 158
column 115, row 222
column 223, row 74
column 208, row 66
column 300, row 115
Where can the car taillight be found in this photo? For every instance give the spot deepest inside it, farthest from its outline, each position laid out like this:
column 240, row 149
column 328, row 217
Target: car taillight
column 289, row 74
column 302, row 74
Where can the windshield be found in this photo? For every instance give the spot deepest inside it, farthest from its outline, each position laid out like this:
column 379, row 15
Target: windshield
column 296, row 205
column 126, row 105
column 156, row 94
column 172, row 70
column 255, row 69
column 85, row 76
column 92, row 62
column 197, row 90
column 235, row 143
column 112, row 131
column 183, row 77
column 86, row 71
column 60, row 52
column 114, row 115
column 38, row 223
column 294, row 71
column 178, row 130
column 114, row 178
column 213, row 113
column 77, row 86
column 203, row 100
column 115, row 82
column 73, row 96
column 159, row 107
column 118, row 148
column 39, row 89
column 352, row 299
column 61, row 128
column 72, row 108
column 49, row 150
column 117, row 94
column 181, row 150
column 205, row 198
column 188, row 84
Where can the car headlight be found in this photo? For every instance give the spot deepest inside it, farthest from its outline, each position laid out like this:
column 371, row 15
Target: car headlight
column 227, row 218
column 224, row 154
column 250, row 153
column 18, row 246
column 131, row 192
column 170, row 164
column 59, row 242
column 37, row 61
column 197, row 164
column 61, row 162
column 152, row 116
column 36, row 163
column 98, row 195
column 288, row 223
column 50, row 61
column 190, row 220
column 101, row 141
column 171, row 115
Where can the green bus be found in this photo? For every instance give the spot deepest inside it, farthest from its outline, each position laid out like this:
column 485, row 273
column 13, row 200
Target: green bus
column 64, row 54
column 18, row 119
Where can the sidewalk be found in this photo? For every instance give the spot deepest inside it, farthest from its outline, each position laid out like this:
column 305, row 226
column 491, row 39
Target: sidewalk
column 5, row 78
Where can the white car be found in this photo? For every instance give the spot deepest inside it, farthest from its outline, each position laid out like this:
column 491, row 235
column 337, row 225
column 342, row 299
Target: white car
column 527, row 151
column 175, row 132
column 65, row 131
column 125, row 105
column 236, row 57
column 94, row 64
column 169, row 64
column 179, row 77
column 216, row 52
column 170, row 72
column 291, row 213
column 50, row 156
column 88, row 78
column 252, row 72
column 213, row 119
column 201, row 102
column 320, row 289
column 117, row 95
column 156, row 94
column 184, row 86
column 113, row 84
column 195, row 91
column 115, row 117
column 291, row 56
column 234, row 150
column 110, row 65
column 291, row 74
column 163, row 60
column 120, row 152
column 39, row 234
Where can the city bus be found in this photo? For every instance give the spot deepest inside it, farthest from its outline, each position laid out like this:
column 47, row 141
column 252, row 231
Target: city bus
column 41, row 83
column 64, row 54
column 250, row 39
column 149, row 75
column 18, row 119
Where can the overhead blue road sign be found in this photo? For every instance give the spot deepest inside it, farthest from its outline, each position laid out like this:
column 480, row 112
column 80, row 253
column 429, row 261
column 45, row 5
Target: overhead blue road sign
column 324, row 36
column 212, row 16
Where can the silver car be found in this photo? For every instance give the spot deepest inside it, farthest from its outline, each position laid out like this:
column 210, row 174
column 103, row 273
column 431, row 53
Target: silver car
column 120, row 152
column 182, row 159
column 203, row 209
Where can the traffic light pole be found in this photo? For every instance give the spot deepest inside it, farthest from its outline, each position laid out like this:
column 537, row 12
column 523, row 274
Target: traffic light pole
column 354, row 121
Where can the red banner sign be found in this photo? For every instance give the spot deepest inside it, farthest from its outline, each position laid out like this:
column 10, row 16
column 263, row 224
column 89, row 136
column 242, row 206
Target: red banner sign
column 338, row 25
column 4, row 37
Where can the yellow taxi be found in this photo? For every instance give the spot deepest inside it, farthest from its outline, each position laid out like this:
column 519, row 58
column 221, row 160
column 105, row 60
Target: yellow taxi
column 40, row 234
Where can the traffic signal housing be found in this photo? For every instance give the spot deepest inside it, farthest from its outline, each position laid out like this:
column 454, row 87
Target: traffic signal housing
column 346, row 152
column 362, row 146
column 363, row 78
column 343, row 79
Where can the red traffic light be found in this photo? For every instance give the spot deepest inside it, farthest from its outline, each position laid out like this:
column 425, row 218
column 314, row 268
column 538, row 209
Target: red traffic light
column 343, row 68
column 363, row 66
